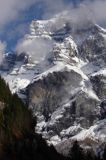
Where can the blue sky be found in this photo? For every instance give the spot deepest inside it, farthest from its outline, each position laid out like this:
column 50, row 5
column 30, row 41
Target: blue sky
column 14, row 30
column 18, row 14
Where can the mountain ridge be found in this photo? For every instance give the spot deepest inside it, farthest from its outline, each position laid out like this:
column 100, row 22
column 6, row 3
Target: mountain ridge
column 62, row 87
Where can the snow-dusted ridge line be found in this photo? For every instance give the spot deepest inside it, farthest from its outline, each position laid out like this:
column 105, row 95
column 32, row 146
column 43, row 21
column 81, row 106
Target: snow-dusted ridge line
column 96, row 133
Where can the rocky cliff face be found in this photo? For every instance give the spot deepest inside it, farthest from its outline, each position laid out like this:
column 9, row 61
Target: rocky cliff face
column 59, row 101
column 99, row 85
column 66, row 87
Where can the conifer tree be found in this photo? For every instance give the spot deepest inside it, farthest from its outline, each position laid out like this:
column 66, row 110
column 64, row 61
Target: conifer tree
column 76, row 152
column 104, row 154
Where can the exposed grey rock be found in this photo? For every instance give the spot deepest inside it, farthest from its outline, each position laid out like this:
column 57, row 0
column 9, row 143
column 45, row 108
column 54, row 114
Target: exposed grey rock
column 103, row 109
column 53, row 98
column 94, row 137
column 51, row 91
column 99, row 85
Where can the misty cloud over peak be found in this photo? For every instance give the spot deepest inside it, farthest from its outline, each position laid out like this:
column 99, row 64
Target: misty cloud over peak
column 10, row 10
column 86, row 10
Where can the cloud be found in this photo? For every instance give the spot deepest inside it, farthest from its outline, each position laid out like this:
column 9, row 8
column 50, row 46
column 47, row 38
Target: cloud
column 88, row 10
column 81, row 15
column 10, row 9
column 98, row 8
column 54, row 6
column 2, row 50
column 37, row 48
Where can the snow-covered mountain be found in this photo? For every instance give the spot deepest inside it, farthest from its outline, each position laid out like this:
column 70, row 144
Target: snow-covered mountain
column 61, row 72
column 94, row 137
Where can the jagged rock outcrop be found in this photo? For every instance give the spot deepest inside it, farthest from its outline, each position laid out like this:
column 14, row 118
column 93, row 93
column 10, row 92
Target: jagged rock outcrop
column 94, row 137
column 103, row 109
column 99, row 85
column 58, row 100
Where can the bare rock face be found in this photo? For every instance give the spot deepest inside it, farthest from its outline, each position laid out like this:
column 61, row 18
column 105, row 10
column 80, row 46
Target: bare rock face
column 59, row 102
column 103, row 109
column 94, row 137
column 51, row 91
column 94, row 47
column 99, row 85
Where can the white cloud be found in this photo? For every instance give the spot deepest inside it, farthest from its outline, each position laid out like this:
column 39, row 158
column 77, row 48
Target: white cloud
column 87, row 10
column 9, row 9
column 96, row 8
column 81, row 15
column 54, row 6
column 2, row 50
column 37, row 48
